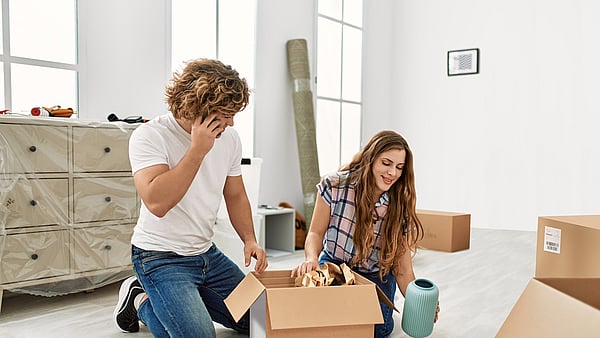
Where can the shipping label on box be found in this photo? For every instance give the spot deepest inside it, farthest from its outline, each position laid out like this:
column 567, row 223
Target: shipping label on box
column 445, row 231
column 551, row 239
column 568, row 246
column 279, row 309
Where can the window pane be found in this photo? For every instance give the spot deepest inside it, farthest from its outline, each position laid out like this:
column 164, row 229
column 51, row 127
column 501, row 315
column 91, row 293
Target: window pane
column 236, row 35
column 353, row 12
column 328, row 135
column 44, row 30
column 34, row 86
column 2, row 99
column 236, row 47
column 329, row 51
column 350, row 140
column 331, row 8
column 193, row 30
column 1, row 34
column 244, row 125
column 195, row 33
column 352, row 77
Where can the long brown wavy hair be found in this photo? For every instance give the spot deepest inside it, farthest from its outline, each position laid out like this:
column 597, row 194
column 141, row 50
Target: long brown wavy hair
column 400, row 223
column 206, row 86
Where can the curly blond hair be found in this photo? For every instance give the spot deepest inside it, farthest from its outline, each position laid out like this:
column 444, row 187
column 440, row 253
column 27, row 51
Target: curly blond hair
column 206, row 86
column 400, row 224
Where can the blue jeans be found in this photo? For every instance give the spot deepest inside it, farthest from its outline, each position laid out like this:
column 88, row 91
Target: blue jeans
column 388, row 286
column 186, row 293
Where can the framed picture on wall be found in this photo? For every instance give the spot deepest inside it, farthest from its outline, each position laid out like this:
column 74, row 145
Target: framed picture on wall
column 463, row 62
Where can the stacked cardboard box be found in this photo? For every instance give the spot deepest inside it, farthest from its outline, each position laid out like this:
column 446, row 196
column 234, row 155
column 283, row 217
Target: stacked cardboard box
column 563, row 299
column 279, row 309
column 445, row 231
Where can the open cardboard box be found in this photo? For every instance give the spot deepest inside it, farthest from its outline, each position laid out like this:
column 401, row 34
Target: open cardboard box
column 279, row 309
column 555, row 307
column 563, row 300
column 445, row 231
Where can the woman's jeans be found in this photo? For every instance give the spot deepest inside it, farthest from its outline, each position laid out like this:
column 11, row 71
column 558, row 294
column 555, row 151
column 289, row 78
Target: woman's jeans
column 388, row 286
column 186, row 293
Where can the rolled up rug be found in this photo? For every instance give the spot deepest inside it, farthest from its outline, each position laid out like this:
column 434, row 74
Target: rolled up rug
column 297, row 53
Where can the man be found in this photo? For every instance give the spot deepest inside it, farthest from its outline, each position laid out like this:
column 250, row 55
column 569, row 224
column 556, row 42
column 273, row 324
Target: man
column 183, row 164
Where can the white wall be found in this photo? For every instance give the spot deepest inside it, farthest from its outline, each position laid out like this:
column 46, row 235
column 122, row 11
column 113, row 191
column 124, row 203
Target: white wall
column 518, row 140
column 378, row 102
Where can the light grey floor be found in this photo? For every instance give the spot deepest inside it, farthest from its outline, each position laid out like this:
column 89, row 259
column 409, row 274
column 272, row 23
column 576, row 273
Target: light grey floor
column 478, row 288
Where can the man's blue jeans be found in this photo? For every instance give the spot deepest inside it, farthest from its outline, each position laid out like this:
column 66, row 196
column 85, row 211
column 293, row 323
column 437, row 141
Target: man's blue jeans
column 388, row 286
column 186, row 293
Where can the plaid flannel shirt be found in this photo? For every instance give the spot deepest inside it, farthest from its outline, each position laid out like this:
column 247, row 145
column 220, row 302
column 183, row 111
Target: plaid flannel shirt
column 338, row 243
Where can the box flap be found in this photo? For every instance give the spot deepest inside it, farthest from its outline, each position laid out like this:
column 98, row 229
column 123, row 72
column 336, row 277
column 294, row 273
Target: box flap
column 543, row 311
column 243, row 296
column 385, row 300
column 586, row 290
column 323, row 306
column 380, row 295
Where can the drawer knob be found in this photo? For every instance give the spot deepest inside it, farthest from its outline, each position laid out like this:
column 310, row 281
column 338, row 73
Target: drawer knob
column 32, row 149
column 107, row 198
column 107, row 149
column 34, row 256
column 33, row 203
column 107, row 247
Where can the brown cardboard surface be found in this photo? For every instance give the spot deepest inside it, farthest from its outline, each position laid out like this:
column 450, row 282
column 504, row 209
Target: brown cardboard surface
column 243, row 296
column 349, row 311
column 559, row 307
column 445, row 231
column 568, row 246
column 323, row 306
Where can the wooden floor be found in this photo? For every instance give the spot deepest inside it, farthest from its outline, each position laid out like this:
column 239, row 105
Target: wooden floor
column 478, row 288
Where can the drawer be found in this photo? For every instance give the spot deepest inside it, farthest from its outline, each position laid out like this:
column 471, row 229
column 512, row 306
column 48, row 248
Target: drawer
column 31, row 202
column 34, row 255
column 100, row 149
column 104, row 198
column 102, row 247
column 33, row 149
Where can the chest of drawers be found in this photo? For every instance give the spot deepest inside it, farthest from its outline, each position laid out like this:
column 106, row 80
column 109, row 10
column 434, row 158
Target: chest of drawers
column 67, row 202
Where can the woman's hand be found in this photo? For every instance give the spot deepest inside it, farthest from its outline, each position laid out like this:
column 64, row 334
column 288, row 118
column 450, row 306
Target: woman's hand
column 437, row 310
column 304, row 267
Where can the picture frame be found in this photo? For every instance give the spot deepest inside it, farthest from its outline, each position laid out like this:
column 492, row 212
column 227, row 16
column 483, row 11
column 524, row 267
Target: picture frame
column 463, row 62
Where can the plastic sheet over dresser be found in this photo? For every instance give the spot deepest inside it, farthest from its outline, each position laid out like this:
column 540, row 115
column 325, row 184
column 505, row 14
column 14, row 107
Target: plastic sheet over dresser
column 67, row 204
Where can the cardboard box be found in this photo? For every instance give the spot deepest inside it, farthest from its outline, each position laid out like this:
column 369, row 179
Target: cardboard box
column 568, row 246
column 555, row 307
column 445, row 231
column 279, row 309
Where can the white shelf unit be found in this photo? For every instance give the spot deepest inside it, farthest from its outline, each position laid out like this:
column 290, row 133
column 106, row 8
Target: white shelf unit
column 279, row 228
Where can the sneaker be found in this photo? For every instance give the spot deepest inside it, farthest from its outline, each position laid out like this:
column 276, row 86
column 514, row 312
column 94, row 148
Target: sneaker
column 125, row 313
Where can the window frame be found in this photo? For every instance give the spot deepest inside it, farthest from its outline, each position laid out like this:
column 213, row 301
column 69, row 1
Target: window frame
column 8, row 60
column 340, row 101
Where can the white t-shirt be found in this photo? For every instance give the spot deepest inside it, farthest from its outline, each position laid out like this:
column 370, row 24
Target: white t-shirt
column 186, row 229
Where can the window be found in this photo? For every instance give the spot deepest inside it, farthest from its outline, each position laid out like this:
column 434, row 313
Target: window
column 39, row 54
column 339, row 82
column 221, row 29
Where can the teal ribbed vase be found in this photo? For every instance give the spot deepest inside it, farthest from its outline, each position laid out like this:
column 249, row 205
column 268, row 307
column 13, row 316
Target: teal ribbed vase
column 420, row 304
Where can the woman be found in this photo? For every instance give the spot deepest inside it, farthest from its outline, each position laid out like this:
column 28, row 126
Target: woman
column 365, row 217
